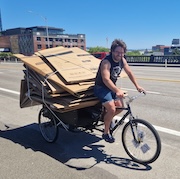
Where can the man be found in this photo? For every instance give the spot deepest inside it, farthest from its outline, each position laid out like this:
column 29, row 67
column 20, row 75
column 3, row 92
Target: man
column 105, row 88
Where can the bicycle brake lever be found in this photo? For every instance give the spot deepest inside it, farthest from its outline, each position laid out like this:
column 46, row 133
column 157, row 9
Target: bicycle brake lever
column 143, row 92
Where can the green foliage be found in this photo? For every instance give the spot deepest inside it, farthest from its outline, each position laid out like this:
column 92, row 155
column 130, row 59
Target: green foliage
column 133, row 53
column 98, row 49
column 6, row 54
column 176, row 51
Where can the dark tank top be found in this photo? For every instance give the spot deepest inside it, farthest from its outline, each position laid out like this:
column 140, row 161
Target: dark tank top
column 115, row 70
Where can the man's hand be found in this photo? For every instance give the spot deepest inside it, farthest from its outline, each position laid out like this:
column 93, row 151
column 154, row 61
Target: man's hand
column 140, row 89
column 120, row 94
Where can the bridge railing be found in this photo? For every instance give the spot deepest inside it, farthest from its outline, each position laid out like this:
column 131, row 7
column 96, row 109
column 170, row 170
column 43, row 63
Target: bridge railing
column 163, row 60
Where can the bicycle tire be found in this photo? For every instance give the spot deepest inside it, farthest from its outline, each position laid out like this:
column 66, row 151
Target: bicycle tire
column 47, row 125
column 147, row 146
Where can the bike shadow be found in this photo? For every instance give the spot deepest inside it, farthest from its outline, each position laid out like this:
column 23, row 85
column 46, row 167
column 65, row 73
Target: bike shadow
column 70, row 148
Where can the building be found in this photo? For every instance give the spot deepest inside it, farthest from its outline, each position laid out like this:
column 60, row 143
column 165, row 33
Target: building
column 167, row 51
column 161, row 50
column 158, row 48
column 175, row 44
column 32, row 39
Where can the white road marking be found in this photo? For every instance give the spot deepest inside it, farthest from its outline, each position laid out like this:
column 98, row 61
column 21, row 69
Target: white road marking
column 9, row 91
column 150, row 92
column 169, row 131
column 158, row 128
column 162, row 129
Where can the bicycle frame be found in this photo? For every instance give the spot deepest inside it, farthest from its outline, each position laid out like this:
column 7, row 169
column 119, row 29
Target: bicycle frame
column 120, row 122
column 129, row 112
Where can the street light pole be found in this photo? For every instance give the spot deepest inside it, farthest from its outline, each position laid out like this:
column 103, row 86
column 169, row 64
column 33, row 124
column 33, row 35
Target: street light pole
column 107, row 41
column 47, row 31
column 45, row 19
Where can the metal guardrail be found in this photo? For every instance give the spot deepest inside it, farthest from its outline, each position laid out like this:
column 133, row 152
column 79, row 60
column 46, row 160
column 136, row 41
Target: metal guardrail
column 154, row 60
column 173, row 61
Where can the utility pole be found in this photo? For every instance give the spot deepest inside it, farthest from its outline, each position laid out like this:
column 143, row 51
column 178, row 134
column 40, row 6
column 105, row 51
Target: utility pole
column 45, row 19
column 0, row 22
column 107, row 41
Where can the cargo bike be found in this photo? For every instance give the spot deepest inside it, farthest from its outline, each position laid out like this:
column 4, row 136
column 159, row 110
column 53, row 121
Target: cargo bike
column 140, row 139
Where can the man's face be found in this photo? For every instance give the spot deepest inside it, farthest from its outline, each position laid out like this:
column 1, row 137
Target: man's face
column 118, row 53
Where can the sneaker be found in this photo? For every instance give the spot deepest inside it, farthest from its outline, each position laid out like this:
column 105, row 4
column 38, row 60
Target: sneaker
column 108, row 138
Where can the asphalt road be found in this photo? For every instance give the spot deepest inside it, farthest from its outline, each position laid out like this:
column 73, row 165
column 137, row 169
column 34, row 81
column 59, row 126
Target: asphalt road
column 25, row 154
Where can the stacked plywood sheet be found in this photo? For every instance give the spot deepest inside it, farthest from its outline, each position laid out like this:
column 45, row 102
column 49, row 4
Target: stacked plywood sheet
column 62, row 78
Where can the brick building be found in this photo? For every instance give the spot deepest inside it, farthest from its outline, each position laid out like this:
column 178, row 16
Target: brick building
column 32, row 39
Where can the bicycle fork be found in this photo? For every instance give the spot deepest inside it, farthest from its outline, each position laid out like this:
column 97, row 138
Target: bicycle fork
column 137, row 134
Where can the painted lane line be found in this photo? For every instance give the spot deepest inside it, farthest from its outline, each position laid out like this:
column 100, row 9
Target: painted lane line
column 163, row 80
column 169, row 131
column 150, row 92
column 9, row 91
column 158, row 128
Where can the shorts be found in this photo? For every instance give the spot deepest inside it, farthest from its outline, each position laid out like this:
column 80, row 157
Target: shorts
column 104, row 94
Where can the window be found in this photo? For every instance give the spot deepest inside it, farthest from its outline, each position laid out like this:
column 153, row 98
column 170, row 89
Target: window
column 74, row 40
column 38, row 38
column 55, row 31
column 175, row 42
column 39, row 46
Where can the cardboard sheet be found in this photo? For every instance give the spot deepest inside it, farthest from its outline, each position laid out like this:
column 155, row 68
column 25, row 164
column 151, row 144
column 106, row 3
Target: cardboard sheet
column 37, row 64
column 73, row 67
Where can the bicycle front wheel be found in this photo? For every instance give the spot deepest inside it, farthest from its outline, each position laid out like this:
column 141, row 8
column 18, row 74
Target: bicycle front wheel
column 141, row 141
column 47, row 125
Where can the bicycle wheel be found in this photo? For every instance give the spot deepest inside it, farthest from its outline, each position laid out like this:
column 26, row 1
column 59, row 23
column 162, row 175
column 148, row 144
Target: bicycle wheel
column 141, row 141
column 47, row 125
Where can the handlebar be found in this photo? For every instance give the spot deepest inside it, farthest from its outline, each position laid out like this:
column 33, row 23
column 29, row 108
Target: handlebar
column 131, row 99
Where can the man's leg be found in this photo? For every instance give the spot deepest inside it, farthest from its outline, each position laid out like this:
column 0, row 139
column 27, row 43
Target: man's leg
column 110, row 112
column 118, row 103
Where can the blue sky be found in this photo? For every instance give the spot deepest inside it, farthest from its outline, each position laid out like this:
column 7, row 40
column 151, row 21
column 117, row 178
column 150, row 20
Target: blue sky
column 140, row 23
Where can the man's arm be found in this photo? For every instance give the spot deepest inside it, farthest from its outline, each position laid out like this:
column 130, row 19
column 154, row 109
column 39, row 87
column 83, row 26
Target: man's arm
column 131, row 76
column 105, row 72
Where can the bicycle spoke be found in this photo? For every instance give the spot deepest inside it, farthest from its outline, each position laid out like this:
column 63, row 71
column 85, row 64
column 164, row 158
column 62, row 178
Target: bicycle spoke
column 48, row 126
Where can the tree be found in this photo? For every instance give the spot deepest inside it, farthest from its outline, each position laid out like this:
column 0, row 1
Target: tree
column 98, row 49
column 6, row 55
column 133, row 53
column 176, row 51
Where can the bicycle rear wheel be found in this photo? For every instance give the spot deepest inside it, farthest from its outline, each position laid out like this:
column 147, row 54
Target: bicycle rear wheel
column 47, row 125
column 141, row 141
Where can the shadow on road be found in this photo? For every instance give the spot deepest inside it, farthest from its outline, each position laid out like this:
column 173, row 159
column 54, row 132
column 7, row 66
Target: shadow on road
column 69, row 149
